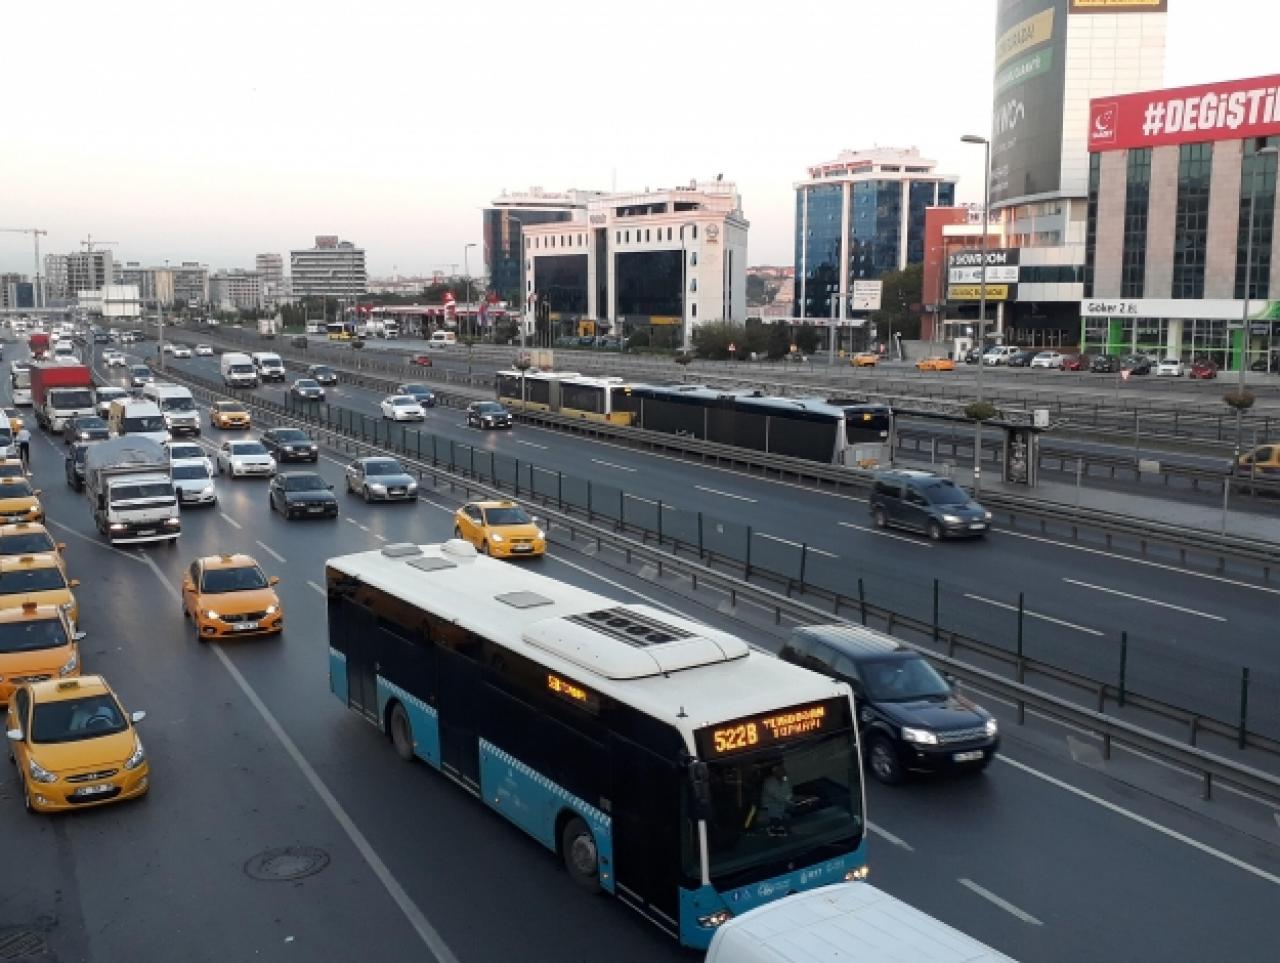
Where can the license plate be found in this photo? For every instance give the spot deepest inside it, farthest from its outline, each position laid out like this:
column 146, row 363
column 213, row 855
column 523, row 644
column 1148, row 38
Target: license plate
column 972, row 756
column 315, row 509
column 94, row 790
column 147, row 531
column 977, row 526
column 395, row 491
column 244, row 626
column 522, row 548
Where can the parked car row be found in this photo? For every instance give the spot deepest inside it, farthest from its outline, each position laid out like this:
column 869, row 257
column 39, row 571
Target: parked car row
column 1135, row 364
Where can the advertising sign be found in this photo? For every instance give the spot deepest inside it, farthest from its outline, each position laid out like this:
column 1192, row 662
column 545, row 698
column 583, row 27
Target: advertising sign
column 866, row 295
column 1230, row 110
column 1026, row 135
column 973, row 292
column 1004, row 274
column 997, row 257
column 1119, row 6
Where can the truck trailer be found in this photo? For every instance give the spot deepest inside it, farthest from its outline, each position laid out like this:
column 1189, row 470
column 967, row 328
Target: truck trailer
column 60, row 392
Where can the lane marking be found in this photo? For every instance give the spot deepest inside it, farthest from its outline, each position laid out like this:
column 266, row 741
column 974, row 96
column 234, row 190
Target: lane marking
column 317, row 587
column 1143, row 598
column 787, row 541
column 428, row 501
column 531, row 444
column 92, row 541
column 1141, row 561
column 609, row 464
column 272, row 552
column 1029, row 613
column 1004, row 904
column 230, row 521
column 426, row 932
column 716, row 491
column 876, row 531
column 889, row 837
column 1143, row 821
column 352, row 521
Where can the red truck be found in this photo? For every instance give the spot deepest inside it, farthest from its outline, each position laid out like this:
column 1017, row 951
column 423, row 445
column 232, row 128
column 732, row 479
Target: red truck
column 60, row 392
column 38, row 345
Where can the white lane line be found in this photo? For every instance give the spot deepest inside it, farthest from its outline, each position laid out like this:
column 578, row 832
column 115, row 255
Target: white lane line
column 877, row 531
column 428, row 501
column 426, row 932
column 531, row 444
column 381, row 538
column 1143, row 821
column 230, row 521
column 272, row 552
column 609, row 464
column 787, row 541
column 1143, row 598
column 1004, row 904
column 317, row 587
column 819, row 551
column 716, row 491
column 352, row 521
column 1002, row 532
column 1030, row 614
column 889, row 837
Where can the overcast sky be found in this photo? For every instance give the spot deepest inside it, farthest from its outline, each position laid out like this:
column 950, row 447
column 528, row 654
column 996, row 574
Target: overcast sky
column 212, row 132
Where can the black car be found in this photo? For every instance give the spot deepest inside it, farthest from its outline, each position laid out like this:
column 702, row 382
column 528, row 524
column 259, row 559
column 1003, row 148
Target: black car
column 322, row 374
column 306, row 389
column 1136, row 364
column 423, row 395
column 85, row 428
column 302, row 494
column 1105, row 364
column 928, row 503
column 910, row 719
column 1022, row 359
column 487, row 414
column 290, row 444
column 299, row 342
column 74, row 464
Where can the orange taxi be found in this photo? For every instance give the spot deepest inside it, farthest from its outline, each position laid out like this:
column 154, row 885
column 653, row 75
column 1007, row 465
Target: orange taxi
column 37, row 578
column 229, row 414
column 30, row 538
column 19, row 502
column 15, row 419
column 502, row 529
column 864, row 359
column 935, row 364
column 228, row 596
column 37, row 642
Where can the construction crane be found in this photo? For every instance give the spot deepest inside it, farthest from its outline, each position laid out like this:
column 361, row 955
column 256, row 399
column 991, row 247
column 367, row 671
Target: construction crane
column 35, row 233
column 88, row 243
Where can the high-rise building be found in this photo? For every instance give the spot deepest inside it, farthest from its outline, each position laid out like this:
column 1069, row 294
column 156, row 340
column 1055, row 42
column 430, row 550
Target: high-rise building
column 858, row 217
column 504, row 221
column 55, row 277
column 275, row 286
column 184, row 285
column 236, row 290
column 16, row 291
column 332, row 268
column 89, row 271
column 190, row 284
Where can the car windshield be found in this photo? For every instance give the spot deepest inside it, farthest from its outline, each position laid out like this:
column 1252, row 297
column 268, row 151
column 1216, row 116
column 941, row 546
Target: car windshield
column 178, row 404
column 144, row 423
column 185, row 451
column 142, row 372
column 306, row 383
column 902, row 680
column 241, row 579
column 27, row 543
column 946, row 493
column 405, row 402
column 304, row 483
column 416, row 390
column 291, row 435
column 229, row 408
column 15, row 488
column 242, row 369
column 190, row 472
column 85, row 423
column 383, row 466
column 128, row 493
column 74, row 398
column 70, row 720
column 489, row 408
column 108, row 394
column 775, row 805
column 506, row 516
column 19, row 580
column 248, row 448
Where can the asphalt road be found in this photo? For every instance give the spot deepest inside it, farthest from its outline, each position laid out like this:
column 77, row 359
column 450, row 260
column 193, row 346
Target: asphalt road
column 1044, row 858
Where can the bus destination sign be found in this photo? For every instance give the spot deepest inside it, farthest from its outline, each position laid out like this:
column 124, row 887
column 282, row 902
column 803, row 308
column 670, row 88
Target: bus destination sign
column 766, row 729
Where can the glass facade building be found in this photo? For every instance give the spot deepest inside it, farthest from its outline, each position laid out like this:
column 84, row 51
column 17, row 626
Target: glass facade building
column 1137, row 196
column 1191, row 220
column 1257, row 191
column 819, row 244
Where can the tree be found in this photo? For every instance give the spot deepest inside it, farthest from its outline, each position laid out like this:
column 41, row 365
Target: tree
column 901, row 301
column 807, row 338
column 778, row 341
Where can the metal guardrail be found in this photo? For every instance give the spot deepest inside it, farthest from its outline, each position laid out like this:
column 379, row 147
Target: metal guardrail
column 1210, row 768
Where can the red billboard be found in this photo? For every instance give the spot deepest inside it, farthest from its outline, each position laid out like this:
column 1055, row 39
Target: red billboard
column 1231, row 110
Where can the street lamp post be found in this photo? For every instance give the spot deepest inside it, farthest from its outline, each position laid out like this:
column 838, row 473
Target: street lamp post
column 466, row 269
column 982, row 298
column 1259, row 161
column 685, row 327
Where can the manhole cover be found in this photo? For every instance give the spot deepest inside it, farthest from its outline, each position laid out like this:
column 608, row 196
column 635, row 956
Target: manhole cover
column 288, row 862
column 21, row 945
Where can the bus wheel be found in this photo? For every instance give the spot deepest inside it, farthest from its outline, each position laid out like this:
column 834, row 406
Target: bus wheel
column 401, row 732
column 580, row 856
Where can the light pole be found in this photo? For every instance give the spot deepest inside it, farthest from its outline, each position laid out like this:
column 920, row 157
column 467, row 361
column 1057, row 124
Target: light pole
column 466, row 269
column 160, row 308
column 685, row 328
column 1259, row 161
column 982, row 298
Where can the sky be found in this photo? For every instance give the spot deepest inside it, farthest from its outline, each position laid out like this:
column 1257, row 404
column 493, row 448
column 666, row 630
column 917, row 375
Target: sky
column 213, row 132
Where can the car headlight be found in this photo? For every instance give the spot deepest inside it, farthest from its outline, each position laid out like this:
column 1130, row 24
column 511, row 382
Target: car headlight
column 272, row 609
column 84, row 436
column 138, row 756
column 38, row 772
column 211, row 614
column 495, row 537
column 118, row 526
column 412, row 486
column 539, row 533
column 988, row 514
column 951, row 519
column 70, row 665
column 922, row 737
column 992, row 727
column 172, row 521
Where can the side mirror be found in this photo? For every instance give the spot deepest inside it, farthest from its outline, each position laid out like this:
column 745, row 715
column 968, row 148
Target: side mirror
column 37, row 491
column 79, row 636
column 62, row 546
column 14, row 735
column 330, row 488
column 274, row 580
column 73, row 583
column 138, row 716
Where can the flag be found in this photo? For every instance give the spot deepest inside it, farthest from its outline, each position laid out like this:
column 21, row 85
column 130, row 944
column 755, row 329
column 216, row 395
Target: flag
column 1124, row 374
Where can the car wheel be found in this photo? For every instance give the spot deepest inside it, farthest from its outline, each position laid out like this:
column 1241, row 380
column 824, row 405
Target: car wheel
column 884, row 761
column 484, row 547
column 879, row 517
column 401, row 733
column 935, row 532
column 364, row 493
column 581, row 858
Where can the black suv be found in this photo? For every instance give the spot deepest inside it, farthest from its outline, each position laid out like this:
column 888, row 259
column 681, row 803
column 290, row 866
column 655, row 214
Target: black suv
column 910, row 719
column 926, row 503
column 74, row 465
column 1105, row 364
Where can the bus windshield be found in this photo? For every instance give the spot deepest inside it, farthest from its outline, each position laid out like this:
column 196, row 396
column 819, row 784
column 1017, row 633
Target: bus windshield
column 776, row 804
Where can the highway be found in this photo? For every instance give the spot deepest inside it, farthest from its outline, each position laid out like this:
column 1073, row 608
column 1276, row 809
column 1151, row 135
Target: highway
column 1043, row 857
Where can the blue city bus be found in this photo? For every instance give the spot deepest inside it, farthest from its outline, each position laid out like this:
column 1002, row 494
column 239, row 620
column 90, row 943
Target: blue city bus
column 645, row 749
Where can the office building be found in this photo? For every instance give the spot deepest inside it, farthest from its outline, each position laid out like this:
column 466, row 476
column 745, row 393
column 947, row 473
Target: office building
column 89, row 271
column 858, row 217
column 1052, row 57
column 503, row 225
column 111, row 301
column 275, row 284
column 1176, row 179
column 671, row 258
column 16, row 291
column 332, row 268
column 55, row 277
column 237, row 290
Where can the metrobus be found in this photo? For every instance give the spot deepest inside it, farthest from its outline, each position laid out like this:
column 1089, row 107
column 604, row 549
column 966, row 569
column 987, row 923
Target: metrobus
column 606, row 400
column 532, row 390
column 636, row 744
column 338, row 331
column 20, row 383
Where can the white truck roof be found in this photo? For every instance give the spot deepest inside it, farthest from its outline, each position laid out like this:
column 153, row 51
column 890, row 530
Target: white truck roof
column 844, row 923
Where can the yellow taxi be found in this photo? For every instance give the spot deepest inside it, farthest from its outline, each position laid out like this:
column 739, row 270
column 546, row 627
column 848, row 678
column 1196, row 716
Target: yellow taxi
column 1263, row 460
column 864, row 359
column 37, row 642
column 19, row 502
column 15, row 419
column 229, row 414
column 230, row 595
column 74, row 745
column 935, row 364
column 11, row 467
column 30, row 538
column 502, row 529
column 37, row 578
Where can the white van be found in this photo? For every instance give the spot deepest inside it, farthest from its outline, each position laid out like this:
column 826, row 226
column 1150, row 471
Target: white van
column 137, row 418
column 238, row 370
column 442, row 339
column 843, row 923
column 999, row 354
column 177, row 405
column 269, row 365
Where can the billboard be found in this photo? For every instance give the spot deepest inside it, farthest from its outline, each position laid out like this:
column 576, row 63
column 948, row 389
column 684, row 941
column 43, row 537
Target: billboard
column 1026, row 134
column 866, row 295
column 1229, row 110
column 973, row 292
column 965, row 267
column 1119, row 6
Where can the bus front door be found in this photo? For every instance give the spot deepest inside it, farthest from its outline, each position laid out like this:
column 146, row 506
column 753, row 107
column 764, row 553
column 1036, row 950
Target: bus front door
column 459, row 692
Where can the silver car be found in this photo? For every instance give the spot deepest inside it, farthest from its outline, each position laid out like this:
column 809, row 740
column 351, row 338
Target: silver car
column 241, row 459
column 193, row 483
column 380, row 479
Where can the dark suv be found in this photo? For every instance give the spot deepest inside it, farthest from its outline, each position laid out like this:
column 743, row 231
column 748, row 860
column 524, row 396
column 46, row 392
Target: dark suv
column 927, row 503
column 910, row 719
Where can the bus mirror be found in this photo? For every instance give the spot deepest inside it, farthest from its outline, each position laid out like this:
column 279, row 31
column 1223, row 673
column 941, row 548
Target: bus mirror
column 700, row 782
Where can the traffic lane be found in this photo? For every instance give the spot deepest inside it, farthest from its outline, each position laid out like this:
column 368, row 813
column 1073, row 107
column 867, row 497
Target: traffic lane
column 210, row 810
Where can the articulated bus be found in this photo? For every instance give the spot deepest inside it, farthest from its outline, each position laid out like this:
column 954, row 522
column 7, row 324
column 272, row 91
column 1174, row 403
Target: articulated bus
column 20, row 383
column 337, row 331
column 645, row 749
column 568, row 393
